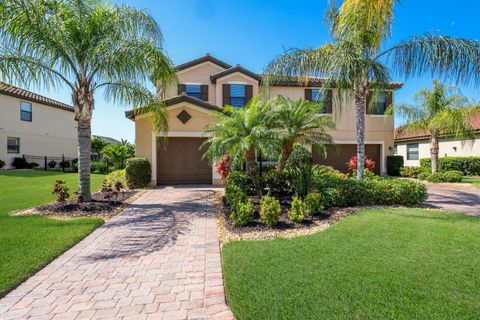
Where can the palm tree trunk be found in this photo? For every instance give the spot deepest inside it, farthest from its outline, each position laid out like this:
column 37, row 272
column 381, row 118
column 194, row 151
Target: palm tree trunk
column 360, row 105
column 434, row 152
column 84, row 152
column 286, row 152
column 252, row 167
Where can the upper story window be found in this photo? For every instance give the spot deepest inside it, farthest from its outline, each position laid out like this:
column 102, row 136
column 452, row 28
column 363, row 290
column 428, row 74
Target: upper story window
column 198, row 91
column 13, row 145
column 381, row 101
column 237, row 95
column 322, row 97
column 412, row 151
column 25, row 111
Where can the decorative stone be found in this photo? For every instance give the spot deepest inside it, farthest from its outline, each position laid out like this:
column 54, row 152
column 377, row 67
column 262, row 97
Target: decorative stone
column 184, row 116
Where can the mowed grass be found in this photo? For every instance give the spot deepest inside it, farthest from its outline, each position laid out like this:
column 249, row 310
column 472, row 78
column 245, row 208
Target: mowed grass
column 376, row 264
column 475, row 181
column 28, row 243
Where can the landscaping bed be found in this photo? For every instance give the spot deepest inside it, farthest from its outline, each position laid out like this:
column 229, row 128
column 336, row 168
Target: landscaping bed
column 98, row 207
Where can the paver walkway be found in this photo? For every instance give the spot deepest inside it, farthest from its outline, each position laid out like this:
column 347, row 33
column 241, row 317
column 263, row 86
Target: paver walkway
column 463, row 198
column 159, row 259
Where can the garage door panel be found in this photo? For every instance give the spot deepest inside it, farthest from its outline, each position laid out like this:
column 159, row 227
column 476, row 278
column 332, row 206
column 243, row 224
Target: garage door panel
column 181, row 162
column 338, row 158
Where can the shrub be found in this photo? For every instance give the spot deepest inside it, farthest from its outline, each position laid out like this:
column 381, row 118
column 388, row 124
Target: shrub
column 467, row 165
column 242, row 213
column 138, row 172
column 111, row 192
column 411, row 172
column 300, row 155
column 242, row 180
column 234, row 194
column 60, row 190
column 394, row 164
column 19, row 163
column 75, row 165
column 423, row 175
column 223, row 167
column 445, row 176
column 98, row 167
column 369, row 164
column 270, row 210
column 301, row 178
column 2, row 164
column 52, row 164
column 276, row 183
column 115, row 177
column 32, row 165
column 314, row 203
column 297, row 210
column 64, row 164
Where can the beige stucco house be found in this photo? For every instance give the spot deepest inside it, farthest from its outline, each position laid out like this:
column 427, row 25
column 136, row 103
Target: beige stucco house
column 33, row 125
column 207, row 84
column 416, row 146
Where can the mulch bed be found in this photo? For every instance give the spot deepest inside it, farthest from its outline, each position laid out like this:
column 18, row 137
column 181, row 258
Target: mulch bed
column 257, row 230
column 99, row 207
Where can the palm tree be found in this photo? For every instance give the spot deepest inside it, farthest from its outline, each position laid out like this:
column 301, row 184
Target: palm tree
column 297, row 121
column 240, row 133
column 85, row 46
column 359, row 61
column 438, row 112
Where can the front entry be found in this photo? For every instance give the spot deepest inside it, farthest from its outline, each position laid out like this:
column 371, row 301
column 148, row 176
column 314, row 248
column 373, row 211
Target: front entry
column 338, row 158
column 181, row 162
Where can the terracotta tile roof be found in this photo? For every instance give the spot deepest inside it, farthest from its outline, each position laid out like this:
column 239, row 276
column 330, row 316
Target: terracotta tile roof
column 401, row 135
column 20, row 93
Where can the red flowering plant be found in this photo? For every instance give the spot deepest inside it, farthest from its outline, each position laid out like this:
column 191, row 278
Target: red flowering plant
column 223, row 167
column 352, row 164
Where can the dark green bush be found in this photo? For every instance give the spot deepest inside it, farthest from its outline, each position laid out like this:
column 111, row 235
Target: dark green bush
column 270, row 210
column 98, row 167
column 242, row 180
column 19, row 163
column 2, row 164
column 445, row 176
column 394, row 164
column 277, row 184
column 32, row 165
column 297, row 210
column 299, row 156
column 467, row 165
column 423, row 175
column 411, row 172
column 138, row 172
column 301, row 178
column 242, row 213
column 314, row 203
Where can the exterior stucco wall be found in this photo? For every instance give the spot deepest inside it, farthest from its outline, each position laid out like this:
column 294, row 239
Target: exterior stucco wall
column 52, row 131
column 447, row 148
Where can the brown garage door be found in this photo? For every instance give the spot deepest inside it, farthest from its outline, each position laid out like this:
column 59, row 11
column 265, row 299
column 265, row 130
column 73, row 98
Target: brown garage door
column 339, row 158
column 181, row 162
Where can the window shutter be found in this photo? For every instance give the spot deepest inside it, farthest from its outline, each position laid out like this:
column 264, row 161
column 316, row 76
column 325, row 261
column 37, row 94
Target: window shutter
column 369, row 98
column 248, row 93
column 181, row 89
column 204, row 92
column 226, row 94
column 329, row 101
column 308, row 94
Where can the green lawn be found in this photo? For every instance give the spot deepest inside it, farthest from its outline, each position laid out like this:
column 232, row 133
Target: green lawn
column 377, row 264
column 473, row 180
column 28, row 243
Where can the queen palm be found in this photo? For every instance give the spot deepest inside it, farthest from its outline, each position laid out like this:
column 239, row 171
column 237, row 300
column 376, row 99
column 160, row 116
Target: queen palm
column 438, row 112
column 297, row 121
column 358, row 60
column 85, row 46
column 240, row 133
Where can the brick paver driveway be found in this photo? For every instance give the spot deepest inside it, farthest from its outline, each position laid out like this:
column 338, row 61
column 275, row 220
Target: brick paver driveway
column 159, row 259
column 462, row 198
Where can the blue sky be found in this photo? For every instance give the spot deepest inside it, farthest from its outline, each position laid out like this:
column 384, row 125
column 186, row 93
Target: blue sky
column 251, row 32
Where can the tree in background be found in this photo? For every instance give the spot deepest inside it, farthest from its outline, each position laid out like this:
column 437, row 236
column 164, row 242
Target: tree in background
column 440, row 111
column 115, row 156
column 359, row 61
column 85, row 46
column 97, row 146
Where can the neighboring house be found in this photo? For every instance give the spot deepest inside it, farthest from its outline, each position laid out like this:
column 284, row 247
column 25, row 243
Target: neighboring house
column 207, row 84
column 33, row 125
column 108, row 139
column 416, row 146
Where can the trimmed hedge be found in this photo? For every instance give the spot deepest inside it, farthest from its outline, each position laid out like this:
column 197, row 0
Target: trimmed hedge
column 445, row 176
column 412, row 172
column 138, row 173
column 467, row 165
column 394, row 164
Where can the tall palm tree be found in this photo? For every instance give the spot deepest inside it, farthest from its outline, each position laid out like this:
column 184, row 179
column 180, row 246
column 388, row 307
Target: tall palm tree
column 438, row 112
column 85, row 46
column 240, row 133
column 358, row 60
column 298, row 121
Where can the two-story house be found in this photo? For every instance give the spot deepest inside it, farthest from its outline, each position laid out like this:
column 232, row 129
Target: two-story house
column 34, row 125
column 207, row 84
